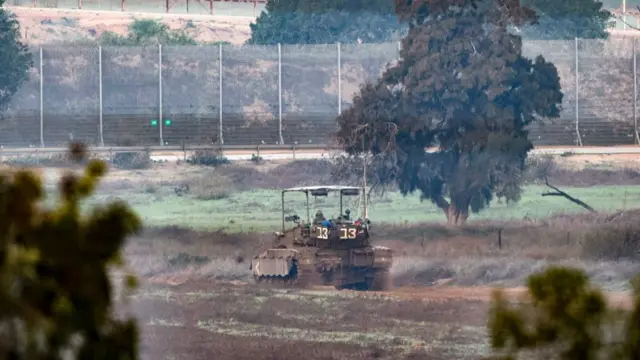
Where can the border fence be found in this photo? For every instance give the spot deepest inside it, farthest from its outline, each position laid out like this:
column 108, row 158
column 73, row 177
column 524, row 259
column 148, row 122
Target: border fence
column 250, row 8
column 276, row 95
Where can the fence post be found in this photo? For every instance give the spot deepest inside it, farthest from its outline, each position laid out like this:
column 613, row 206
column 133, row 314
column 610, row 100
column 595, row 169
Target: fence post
column 161, row 120
column 280, row 93
column 220, row 139
column 624, row 15
column 635, row 94
column 41, row 100
column 578, row 137
column 100, row 93
column 339, row 80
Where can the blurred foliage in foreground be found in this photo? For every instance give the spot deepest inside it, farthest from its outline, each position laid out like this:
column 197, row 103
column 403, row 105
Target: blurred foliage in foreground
column 55, row 292
column 564, row 318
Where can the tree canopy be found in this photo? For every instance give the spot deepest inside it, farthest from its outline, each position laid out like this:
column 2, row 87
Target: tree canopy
column 15, row 58
column 56, row 297
column 462, row 85
column 324, row 22
column 564, row 20
column 563, row 317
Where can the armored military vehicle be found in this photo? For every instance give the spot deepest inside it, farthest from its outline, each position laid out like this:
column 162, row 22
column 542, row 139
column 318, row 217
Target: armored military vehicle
column 334, row 252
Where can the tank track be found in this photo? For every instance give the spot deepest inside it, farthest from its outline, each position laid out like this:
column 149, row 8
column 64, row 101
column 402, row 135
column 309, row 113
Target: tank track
column 380, row 281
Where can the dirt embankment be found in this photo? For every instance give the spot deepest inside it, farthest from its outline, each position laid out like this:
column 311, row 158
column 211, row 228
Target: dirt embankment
column 50, row 26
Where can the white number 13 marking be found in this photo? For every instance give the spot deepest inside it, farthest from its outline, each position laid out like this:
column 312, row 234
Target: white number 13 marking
column 324, row 233
column 348, row 233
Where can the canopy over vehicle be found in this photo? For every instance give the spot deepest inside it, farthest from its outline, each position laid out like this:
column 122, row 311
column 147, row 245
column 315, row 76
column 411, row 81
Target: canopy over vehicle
column 324, row 190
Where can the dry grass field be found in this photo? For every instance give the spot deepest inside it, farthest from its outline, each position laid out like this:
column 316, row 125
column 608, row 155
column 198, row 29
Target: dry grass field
column 205, row 319
column 42, row 26
column 203, row 224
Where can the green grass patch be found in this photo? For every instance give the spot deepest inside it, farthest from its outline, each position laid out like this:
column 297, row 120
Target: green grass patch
column 260, row 210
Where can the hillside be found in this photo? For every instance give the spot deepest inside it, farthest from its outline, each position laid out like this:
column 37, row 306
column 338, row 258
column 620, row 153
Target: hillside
column 47, row 26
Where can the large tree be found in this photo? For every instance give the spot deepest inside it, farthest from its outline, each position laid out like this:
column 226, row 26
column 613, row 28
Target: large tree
column 563, row 20
column 15, row 58
column 462, row 85
column 324, row 22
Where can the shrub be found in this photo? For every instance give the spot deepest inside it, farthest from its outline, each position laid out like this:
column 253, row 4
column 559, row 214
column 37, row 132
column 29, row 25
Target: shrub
column 54, row 283
column 184, row 259
column 132, row 160
column 566, row 317
column 147, row 32
column 208, row 158
column 257, row 159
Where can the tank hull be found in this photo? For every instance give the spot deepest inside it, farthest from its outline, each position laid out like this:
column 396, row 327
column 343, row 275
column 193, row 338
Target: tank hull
column 365, row 268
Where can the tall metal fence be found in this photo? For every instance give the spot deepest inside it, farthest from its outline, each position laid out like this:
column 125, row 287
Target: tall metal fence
column 251, row 95
column 251, row 8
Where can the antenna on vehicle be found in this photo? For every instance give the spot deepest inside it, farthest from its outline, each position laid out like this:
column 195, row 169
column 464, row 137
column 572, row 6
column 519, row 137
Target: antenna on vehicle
column 364, row 179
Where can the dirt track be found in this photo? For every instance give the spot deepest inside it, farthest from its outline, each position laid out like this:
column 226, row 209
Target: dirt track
column 205, row 320
column 617, row 299
column 422, row 293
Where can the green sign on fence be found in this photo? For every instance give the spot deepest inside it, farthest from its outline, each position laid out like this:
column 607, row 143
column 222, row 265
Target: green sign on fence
column 167, row 122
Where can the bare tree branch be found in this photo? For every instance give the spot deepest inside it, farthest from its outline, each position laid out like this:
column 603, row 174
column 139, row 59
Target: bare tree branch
column 559, row 192
column 621, row 18
column 376, row 175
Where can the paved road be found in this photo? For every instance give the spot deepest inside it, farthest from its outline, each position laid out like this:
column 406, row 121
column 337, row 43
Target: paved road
column 235, row 155
column 319, row 154
column 159, row 154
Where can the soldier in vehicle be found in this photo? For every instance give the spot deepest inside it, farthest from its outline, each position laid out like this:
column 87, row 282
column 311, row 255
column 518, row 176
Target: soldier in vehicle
column 346, row 216
column 319, row 217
